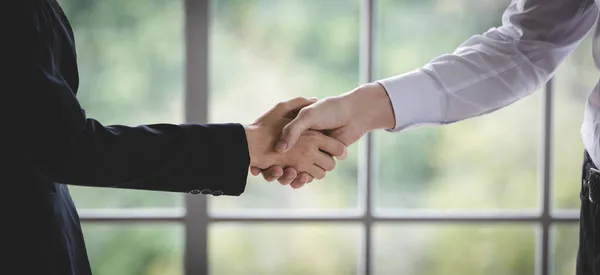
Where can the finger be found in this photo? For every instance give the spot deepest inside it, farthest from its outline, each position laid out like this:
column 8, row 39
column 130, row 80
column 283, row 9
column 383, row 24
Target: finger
column 255, row 171
column 316, row 172
column 272, row 173
column 324, row 161
column 301, row 179
column 285, row 108
column 306, row 177
column 289, row 174
column 292, row 131
column 344, row 155
column 331, row 145
column 297, row 185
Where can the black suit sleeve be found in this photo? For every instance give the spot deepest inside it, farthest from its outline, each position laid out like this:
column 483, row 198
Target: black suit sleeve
column 50, row 129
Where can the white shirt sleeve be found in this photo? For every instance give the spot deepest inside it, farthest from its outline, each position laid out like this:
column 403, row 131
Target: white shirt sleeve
column 495, row 69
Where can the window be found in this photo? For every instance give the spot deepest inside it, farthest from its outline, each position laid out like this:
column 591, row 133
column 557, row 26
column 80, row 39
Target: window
column 496, row 194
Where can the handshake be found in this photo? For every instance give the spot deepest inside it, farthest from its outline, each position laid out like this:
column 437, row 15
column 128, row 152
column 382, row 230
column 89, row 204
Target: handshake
column 299, row 139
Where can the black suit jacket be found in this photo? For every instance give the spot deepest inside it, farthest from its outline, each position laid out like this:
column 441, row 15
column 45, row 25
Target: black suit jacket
column 49, row 143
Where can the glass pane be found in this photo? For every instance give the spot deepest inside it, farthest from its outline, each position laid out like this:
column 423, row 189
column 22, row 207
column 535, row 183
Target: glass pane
column 284, row 249
column 148, row 249
column 454, row 249
column 489, row 162
column 131, row 71
column 574, row 81
column 565, row 241
column 266, row 51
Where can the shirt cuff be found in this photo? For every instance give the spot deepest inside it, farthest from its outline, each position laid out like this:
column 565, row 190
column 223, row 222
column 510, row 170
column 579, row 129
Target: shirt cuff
column 415, row 99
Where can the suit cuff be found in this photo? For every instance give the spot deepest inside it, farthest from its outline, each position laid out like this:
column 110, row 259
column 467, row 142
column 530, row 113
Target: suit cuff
column 415, row 100
column 227, row 160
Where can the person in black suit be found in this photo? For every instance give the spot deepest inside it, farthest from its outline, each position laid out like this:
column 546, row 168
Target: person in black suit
column 52, row 143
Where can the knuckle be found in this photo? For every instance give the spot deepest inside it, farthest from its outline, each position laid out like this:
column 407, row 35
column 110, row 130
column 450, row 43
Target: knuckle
column 295, row 100
column 290, row 172
column 299, row 98
column 272, row 170
column 281, row 104
column 306, row 112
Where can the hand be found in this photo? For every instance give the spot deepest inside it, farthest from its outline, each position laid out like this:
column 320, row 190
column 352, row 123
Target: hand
column 288, row 175
column 345, row 117
column 309, row 153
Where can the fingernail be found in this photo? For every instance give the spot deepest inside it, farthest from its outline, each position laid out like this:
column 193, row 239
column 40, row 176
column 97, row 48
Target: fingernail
column 281, row 145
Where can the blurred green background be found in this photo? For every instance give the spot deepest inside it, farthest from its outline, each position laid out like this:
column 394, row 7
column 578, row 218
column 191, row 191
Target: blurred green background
column 131, row 57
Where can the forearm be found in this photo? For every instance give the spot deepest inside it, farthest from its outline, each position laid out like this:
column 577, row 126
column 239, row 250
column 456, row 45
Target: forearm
column 492, row 70
column 160, row 157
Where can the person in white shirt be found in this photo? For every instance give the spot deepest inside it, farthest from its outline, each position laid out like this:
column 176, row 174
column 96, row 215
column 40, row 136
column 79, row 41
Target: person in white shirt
column 487, row 72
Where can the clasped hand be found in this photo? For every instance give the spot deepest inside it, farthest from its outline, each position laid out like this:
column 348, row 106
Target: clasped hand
column 302, row 151
column 312, row 154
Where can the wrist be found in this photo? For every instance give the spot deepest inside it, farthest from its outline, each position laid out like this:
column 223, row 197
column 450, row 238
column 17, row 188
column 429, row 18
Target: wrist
column 374, row 105
column 253, row 139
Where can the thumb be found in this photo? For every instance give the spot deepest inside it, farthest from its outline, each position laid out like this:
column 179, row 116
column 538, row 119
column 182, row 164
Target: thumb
column 291, row 132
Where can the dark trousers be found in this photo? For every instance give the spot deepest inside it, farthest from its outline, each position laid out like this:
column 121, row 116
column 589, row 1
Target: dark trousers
column 588, row 256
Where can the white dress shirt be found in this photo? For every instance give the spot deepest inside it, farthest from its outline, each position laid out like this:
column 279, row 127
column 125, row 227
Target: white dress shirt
column 501, row 66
